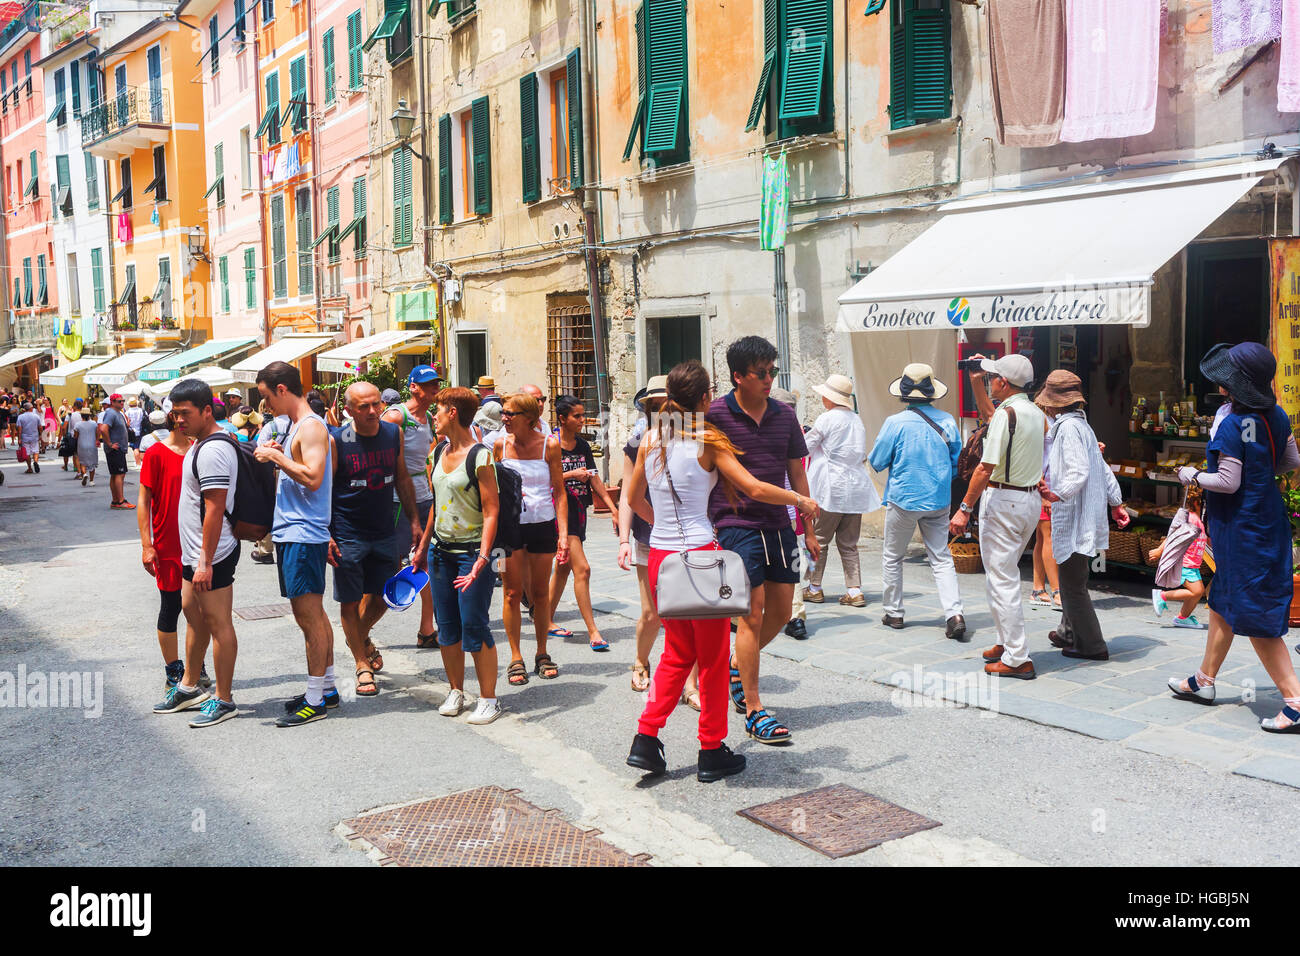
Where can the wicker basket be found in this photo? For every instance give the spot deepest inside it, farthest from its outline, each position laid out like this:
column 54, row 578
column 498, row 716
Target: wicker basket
column 966, row 556
column 1124, row 547
column 1147, row 540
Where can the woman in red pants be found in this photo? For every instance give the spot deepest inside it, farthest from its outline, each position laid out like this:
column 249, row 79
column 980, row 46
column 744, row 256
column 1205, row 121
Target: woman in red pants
column 680, row 459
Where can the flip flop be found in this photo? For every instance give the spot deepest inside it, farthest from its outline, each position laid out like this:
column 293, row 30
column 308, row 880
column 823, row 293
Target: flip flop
column 601, row 645
column 559, row 632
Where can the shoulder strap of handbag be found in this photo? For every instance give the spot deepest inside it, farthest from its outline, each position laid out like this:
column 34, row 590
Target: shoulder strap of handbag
column 676, row 512
column 1011, row 434
column 1271, row 447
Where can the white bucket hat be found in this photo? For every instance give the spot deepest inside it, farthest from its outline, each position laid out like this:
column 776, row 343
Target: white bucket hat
column 918, row 382
column 838, row 389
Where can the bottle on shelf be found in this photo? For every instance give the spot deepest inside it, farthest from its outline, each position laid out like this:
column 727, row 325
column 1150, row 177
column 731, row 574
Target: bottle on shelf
column 1161, row 411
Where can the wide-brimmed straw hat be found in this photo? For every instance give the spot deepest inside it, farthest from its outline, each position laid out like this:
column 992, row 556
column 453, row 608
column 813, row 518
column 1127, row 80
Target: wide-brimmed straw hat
column 242, row 418
column 918, row 383
column 838, row 389
column 1245, row 370
column 1061, row 389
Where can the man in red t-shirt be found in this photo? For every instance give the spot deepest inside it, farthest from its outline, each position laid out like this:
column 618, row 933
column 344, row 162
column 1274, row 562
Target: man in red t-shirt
column 160, row 538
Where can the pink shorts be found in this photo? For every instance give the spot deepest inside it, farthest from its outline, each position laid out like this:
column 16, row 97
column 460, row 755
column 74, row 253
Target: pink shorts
column 1044, row 515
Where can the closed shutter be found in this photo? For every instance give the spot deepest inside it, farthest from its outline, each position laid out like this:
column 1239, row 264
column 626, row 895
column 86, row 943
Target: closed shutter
column 920, row 63
column 666, row 106
column 97, row 277
column 214, row 44
column 482, row 157
column 327, row 62
column 332, row 221
column 76, row 87
column 354, row 51
column 63, row 177
column 769, row 64
column 638, row 118
column 225, row 285
column 250, row 279
column 92, row 182
column 359, row 213
column 279, row 270
column 530, row 158
column 219, row 161
column 805, row 66
column 573, row 86
column 403, row 207
column 446, row 214
column 302, row 211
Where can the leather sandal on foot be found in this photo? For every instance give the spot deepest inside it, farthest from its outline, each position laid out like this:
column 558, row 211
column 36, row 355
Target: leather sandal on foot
column 374, row 657
column 366, row 688
column 640, row 677
column 545, row 668
column 517, row 674
column 425, row 641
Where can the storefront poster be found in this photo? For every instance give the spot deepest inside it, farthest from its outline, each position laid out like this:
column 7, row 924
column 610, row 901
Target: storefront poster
column 1284, row 323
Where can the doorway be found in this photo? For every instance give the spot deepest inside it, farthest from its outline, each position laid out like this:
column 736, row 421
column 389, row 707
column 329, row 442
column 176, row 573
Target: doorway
column 1227, row 301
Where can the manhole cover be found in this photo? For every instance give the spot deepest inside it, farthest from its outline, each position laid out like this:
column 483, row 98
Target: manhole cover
column 264, row 612
column 838, row 820
column 484, row 827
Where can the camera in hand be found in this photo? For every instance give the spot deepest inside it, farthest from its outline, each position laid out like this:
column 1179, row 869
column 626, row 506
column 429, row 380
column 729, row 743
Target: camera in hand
column 970, row 365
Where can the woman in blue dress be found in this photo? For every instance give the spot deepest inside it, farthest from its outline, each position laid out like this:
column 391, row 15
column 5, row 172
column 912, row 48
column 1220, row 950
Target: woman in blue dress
column 1248, row 527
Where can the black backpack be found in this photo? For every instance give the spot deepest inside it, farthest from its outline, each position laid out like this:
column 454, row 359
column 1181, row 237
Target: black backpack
column 254, row 510
column 510, row 496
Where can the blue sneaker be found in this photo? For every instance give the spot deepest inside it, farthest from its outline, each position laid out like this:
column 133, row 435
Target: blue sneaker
column 213, row 712
column 305, row 714
column 331, row 701
column 1191, row 622
column 1158, row 602
column 178, row 699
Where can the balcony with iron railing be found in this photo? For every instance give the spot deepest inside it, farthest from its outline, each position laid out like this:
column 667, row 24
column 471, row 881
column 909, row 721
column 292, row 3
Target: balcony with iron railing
column 148, row 317
column 134, row 118
column 26, row 22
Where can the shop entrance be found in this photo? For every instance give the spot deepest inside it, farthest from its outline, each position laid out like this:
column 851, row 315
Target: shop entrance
column 1227, row 301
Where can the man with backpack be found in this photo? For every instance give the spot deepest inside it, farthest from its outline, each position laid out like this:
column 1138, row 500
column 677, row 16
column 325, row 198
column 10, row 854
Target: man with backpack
column 919, row 446
column 369, row 471
column 1006, row 486
column 209, row 554
column 301, row 530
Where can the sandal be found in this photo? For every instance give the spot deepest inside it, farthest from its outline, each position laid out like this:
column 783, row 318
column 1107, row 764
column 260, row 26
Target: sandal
column 425, row 641
column 560, row 632
column 766, row 729
column 545, row 667
column 599, row 644
column 1035, row 599
column 368, row 688
column 1056, row 599
column 640, row 677
column 737, row 691
column 517, row 670
column 375, row 659
column 692, row 699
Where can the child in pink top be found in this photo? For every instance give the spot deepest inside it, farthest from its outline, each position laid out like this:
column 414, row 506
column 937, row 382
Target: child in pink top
column 1193, row 588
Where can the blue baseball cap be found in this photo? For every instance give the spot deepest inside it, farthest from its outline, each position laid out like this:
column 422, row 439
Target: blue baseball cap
column 423, row 374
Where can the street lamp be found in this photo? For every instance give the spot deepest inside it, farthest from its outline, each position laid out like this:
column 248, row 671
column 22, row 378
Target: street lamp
column 403, row 121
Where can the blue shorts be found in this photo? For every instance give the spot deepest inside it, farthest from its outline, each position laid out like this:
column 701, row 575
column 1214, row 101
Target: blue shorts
column 364, row 567
column 772, row 554
column 1191, row 574
column 463, row 616
column 301, row 567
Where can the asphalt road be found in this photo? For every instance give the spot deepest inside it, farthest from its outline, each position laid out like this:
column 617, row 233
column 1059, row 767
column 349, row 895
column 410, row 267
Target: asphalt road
column 128, row 787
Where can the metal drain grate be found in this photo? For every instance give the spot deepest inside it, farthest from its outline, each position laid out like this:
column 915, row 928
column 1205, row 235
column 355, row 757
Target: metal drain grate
column 264, row 612
column 838, row 820
column 488, row 826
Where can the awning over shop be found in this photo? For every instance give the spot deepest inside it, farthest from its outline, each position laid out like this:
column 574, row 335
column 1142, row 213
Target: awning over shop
column 1080, row 255
column 291, row 348
column 344, row 359
column 212, row 375
column 209, row 353
column 70, row 370
column 124, row 368
column 19, row 356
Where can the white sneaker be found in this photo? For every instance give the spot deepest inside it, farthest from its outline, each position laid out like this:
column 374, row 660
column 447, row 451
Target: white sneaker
column 1191, row 622
column 1158, row 602
column 454, row 703
column 485, row 713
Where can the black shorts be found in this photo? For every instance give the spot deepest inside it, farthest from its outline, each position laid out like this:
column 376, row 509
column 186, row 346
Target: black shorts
column 771, row 554
column 577, row 519
column 223, row 572
column 540, row 537
column 116, row 459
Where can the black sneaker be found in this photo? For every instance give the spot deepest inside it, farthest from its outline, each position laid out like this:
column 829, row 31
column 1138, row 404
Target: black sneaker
column 716, row 764
column 647, row 754
column 797, row 629
column 303, row 715
column 175, row 671
column 331, row 701
column 37, row 466
column 177, row 699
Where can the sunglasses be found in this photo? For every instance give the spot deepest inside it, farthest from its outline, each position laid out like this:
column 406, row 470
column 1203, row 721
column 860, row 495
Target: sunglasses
column 764, row 374
column 505, row 415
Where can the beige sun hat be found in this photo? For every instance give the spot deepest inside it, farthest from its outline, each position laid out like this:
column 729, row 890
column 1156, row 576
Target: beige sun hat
column 918, row 382
column 838, row 389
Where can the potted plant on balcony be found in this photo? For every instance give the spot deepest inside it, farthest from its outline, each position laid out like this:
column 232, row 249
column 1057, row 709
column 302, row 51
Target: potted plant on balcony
column 168, row 322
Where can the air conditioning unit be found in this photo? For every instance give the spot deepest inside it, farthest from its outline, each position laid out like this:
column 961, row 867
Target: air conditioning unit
column 333, row 319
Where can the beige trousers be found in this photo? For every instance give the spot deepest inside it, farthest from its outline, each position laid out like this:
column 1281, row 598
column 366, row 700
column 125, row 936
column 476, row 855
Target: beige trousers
column 845, row 529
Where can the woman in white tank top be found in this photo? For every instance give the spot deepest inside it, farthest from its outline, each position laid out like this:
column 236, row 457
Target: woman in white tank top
column 681, row 447
column 536, row 457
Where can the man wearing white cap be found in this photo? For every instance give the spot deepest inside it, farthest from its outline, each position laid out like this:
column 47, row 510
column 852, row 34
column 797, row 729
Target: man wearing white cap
column 837, row 447
column 1006, row 486
column 919, row 446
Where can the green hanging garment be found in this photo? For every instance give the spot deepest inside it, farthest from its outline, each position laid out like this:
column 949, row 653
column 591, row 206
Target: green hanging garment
column 775, row 214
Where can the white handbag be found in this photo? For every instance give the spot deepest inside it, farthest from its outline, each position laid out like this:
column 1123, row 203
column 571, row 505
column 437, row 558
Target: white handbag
column 700, row 585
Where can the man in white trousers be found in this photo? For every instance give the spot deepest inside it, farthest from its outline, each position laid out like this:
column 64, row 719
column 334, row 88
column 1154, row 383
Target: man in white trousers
column 919, row 446
column 1006, row 485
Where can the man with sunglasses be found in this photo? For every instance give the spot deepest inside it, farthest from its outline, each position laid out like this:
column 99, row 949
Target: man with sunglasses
column 772, row 447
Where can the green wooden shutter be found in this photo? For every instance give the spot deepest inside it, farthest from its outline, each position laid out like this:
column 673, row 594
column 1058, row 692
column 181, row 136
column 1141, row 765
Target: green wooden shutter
column 531, row 161
column 446, row 214
column 250, row 279
column 327, row 63
column 667, row 106
column 273, row 103
column 279, row 270
column 27, row 281
column 806, row 55
column 638, row 118
column 75, row 71
column 34, row 184
column 573, row 87
column 359, row 213
column 306, row 264
column 63, row 175
column 97, row 277
column 92, row 182
column 920, row 63
column 298, row 93
column 332, row 222
column 354, row 51
column 403, row 206
column 225, row 285
column 482, row 156
column 770, row 49
column 219, row 162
